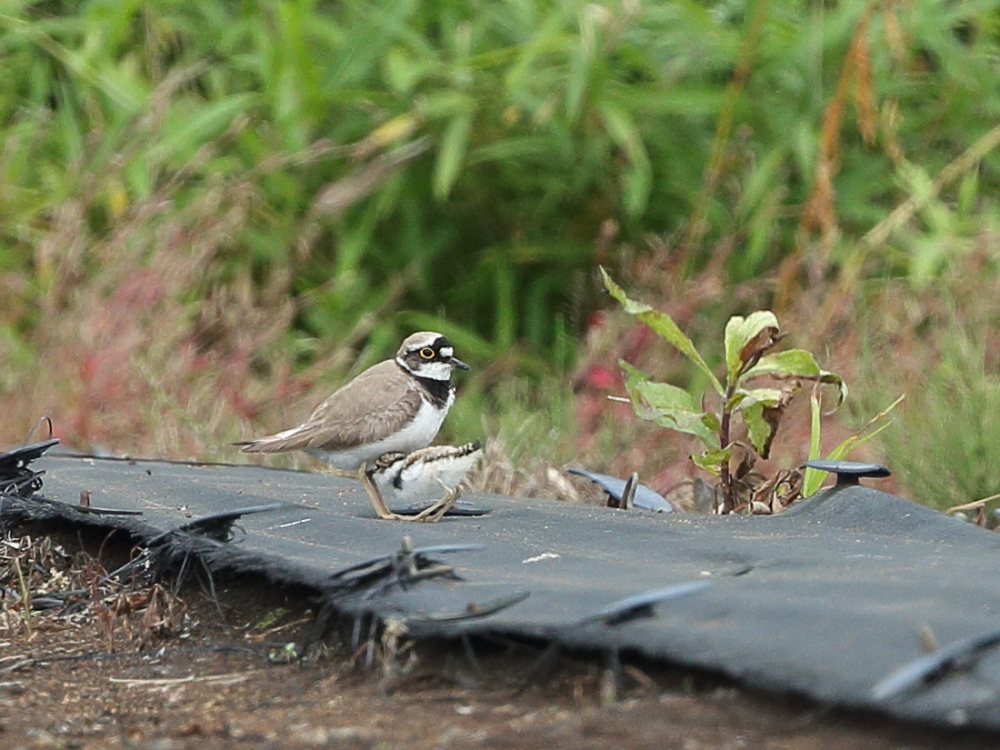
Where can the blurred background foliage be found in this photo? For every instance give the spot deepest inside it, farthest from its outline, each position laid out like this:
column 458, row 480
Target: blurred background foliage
column 212, row 212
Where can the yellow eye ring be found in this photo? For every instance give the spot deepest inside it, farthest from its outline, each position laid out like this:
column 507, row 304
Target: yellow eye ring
column 427, row 353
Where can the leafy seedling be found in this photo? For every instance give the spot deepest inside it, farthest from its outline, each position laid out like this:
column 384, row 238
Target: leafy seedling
column 760, row 384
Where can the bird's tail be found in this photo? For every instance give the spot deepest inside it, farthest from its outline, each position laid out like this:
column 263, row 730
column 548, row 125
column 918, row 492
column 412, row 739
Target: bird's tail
column 280, row 442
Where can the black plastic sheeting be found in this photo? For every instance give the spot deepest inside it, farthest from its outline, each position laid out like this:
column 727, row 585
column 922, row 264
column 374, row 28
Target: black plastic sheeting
column 825, row 600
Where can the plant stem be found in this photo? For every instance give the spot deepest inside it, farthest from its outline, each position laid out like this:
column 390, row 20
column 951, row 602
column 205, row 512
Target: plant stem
column 724, row 479
column 25, row 595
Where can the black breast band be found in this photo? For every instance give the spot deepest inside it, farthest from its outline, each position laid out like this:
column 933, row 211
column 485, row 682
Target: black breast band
column 437, row 390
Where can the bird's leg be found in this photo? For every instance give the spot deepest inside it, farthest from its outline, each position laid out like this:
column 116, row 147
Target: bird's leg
column 428, row 515
column 437, row 511
column 378, row 502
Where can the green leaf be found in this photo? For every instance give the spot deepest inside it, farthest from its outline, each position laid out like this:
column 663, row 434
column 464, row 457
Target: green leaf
column 638, row 178
column 853, row 442
column 664, row 325
column 439, row 105
column 451, row 154
column 761, row 409
column 813, row 478
column 860, row 437
column 711, row 461
column 791, row 362
column 547, row 35
column 186, row 135
column 743, row 398
column 579, row 78
column 795, row 363
column 667, row 405
column 759, row 430
column 740, row 332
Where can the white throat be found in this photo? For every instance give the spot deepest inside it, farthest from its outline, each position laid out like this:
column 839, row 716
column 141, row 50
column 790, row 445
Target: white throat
column 430, row 370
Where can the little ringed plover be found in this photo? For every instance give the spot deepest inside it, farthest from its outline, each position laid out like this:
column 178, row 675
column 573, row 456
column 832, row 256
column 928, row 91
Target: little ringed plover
column 395, row 406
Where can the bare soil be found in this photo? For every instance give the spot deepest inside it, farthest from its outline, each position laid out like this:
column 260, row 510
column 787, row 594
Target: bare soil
column 170, row 672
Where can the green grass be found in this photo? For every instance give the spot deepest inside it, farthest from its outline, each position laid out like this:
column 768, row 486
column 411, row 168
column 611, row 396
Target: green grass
column 461, row 159
column 945, row 445
column 938, row 345
column 213, row 213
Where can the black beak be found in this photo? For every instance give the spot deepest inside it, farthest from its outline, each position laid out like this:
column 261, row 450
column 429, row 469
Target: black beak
column 458, row 364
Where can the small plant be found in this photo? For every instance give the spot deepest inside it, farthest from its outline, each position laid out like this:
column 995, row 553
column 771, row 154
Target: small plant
column 758, row 388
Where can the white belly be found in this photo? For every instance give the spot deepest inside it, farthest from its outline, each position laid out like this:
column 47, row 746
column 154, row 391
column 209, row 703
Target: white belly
column 417, row 434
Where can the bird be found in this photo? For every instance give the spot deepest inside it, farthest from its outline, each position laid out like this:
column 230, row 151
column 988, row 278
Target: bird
column 419, row 476
column 395, row 406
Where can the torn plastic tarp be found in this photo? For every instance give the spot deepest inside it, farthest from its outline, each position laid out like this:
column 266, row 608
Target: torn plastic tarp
column 825, row 600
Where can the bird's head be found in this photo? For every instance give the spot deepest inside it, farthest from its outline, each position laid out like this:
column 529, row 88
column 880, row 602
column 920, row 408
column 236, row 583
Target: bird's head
column 427, row 354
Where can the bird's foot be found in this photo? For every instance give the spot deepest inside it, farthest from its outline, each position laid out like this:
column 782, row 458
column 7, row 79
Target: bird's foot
column 437, row 511
column 343, row 473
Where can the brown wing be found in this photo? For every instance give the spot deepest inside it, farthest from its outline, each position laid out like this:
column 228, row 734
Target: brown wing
column 365, row 410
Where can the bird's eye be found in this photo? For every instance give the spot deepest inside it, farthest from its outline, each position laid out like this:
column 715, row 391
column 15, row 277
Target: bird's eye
column 427, row 353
